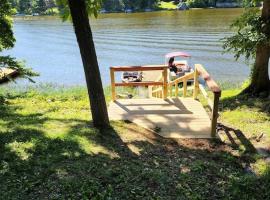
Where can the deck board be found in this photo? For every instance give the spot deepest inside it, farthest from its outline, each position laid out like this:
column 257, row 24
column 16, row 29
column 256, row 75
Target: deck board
column 177, row 117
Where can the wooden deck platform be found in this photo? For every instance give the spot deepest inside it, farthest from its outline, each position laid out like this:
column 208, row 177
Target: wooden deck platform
column 171, row 118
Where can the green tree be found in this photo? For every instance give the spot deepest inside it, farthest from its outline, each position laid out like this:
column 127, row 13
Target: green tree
column 113, row 5
column 25, row 6
column 80, row 11
column 41, row 6
column 253, row 41
column 7, row 41
column 197, row 3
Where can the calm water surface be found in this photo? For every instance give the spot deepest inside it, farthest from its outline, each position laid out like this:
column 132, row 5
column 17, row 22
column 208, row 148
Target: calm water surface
column 49, row 45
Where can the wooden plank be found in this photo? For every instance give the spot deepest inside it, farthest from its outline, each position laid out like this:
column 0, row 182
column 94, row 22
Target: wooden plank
column 213, row 86
column 196, row 84
column 113, row 84
column 214, row 115
column 157, row 90
column 170, row 90
column 165, row 83
column 176, row 89
column 182, row 78
column 177, row 117
column 139, row 84
column 150, row 91
column 139, row 68
column 184, row 88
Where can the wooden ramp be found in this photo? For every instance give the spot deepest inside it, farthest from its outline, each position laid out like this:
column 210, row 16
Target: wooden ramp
column 171, row 118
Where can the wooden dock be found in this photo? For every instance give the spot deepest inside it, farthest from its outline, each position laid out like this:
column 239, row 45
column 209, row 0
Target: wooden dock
column 170, row 118
column 165, row 112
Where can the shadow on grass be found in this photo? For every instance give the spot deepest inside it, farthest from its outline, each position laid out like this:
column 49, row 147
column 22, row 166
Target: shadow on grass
column 232, row 133
column 121, row 162
column 234, row 102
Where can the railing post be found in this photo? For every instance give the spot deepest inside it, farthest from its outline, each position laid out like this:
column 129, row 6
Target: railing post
column 150, row 91
column 165, row 83
column 113, row 84
column 176, row 89
column 214, row 116
column 196, row 83
column 184, row 88
column 170, row 89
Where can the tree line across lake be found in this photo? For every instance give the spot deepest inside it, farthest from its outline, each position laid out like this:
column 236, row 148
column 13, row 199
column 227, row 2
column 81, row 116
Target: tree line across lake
column 49, row 7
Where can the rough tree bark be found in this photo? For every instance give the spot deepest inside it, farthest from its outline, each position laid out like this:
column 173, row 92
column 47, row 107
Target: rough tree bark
column 85, row 41
column 260, row 79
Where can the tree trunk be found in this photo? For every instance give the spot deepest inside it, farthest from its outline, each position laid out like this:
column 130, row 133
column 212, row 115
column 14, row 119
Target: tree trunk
column 88, row 54
column 260, row 78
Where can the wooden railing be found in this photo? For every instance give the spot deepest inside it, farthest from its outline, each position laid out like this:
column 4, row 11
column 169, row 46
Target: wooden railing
column 159, row 88
column 214, row 88
column 162, row 83
column 199, row 72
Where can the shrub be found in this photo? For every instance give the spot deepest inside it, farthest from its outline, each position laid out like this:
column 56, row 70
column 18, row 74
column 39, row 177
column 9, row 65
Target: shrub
column 197, row 3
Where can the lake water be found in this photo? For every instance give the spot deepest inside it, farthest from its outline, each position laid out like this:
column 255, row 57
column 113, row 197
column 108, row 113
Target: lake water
column 49, row 46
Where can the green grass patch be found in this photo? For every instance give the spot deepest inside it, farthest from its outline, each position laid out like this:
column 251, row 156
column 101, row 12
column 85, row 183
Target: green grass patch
column 251, row 115
column 50, row 150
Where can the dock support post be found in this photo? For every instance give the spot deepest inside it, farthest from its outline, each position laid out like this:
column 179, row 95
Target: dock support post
column 214, row 116
column 165, row 83
column 196, row 83
column 113, row 84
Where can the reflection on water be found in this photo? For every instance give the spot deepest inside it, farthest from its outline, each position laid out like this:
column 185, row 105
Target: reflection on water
column 49, row 45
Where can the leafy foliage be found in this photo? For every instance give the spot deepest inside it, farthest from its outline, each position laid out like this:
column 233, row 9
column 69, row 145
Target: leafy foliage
column 6, row 38
column 32, row 6
column 208, row 3
column 249, row 34
column 7, row 61
column 93, row 6
column 197, row 3
column 7, row 41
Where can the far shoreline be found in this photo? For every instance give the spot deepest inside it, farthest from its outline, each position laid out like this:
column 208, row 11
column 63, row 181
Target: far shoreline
column 138, row 11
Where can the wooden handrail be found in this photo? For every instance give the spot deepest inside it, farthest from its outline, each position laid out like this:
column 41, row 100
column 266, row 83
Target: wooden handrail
column 212, row 85
column 183, row 78
column 139, row 68
column 147, row 83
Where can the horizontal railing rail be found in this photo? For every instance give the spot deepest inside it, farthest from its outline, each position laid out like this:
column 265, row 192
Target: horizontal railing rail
column 138, row 68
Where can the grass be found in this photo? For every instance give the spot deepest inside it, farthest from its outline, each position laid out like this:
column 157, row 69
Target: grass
column 50, row 150
column 167, row 5
column 249, row 115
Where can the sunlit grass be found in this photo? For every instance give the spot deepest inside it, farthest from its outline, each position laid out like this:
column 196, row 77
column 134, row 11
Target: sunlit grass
column 50, row 150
